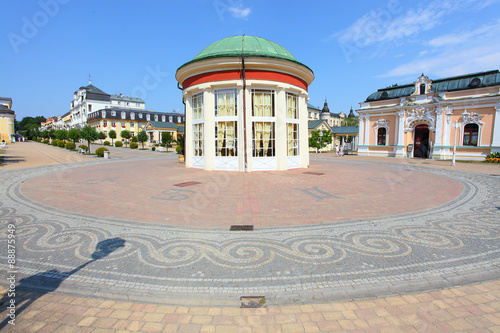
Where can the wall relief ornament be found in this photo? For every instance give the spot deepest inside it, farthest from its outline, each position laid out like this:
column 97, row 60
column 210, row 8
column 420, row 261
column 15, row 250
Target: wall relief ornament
column 472, row 118
column 420, row 115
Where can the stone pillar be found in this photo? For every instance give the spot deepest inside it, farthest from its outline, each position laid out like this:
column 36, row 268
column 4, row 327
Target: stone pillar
column 209, row 129
column 495, row 142
column 367, row 130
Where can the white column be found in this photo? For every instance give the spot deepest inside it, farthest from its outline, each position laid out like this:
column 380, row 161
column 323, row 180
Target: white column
column 280, row 126
column 439, row 127
column 495, row 142
column 209, row 129
column 303, row 132
column 188, row 132
column 401, row 128
column 367, row 130
column 248, row 96
column 361, row 129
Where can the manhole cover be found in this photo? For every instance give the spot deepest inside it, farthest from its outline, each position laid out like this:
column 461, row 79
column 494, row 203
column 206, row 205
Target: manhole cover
column 243, row 227
column 252, row 302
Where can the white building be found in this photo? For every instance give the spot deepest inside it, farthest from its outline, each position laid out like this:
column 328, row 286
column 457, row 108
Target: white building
column 90, row 98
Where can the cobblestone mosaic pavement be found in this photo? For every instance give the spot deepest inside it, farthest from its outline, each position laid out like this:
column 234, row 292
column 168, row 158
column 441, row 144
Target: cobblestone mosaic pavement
column 443, row 246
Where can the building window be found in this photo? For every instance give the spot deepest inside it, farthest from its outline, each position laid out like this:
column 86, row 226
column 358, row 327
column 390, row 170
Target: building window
column 113, row 123
column 471, row 134
column 293, row 139
column 263, row 103
column 140, row 115
column 170, row 119
column 113, row 113
column 131, row 124
column 198, row 139
column 119, row 102
column 163, row 118
column 106, row 133
column 132, row 115
column 422, row 89
column 197, row 106
column 381, row 136
column 225, row 138
column 137, row 104
column 105, row 123
column 156, row 117
column 148, row 117
column 263, row 139
column 225, row 103
column 123, row 124
column 178, row 119
column 291, row 106
column 90, row 108
column 128, row 103
column 132, row 133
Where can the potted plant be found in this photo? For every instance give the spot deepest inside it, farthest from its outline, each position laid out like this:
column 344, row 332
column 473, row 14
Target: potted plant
column 180, row 149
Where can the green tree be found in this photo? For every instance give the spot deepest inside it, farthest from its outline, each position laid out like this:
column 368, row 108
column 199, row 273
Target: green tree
column 61, row 134
column 52, row 134
column 89, row 133
column 125, row 134
column 166, row 139
column 112, row 135
column 44, row 134
column 315, row 141
column 142, row 137
column 350, row 122
column 74, row 135
column 102, row 136
column 34, row 133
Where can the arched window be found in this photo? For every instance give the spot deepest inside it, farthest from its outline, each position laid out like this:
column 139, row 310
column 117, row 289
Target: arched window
column 422, row 89
column 471, row 134
column 381, row 136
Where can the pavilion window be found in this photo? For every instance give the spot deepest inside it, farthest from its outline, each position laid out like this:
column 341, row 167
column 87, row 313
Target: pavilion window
column 225, row 122
column 263, row 139
column 292, row 115
column 197, row 107
column 470, row 135
column 381, row 136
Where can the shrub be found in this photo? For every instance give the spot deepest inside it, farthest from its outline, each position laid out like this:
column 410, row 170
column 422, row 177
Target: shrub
column 134, row 139
column 46, row 141
column 106, row 143
column 118, row 144
column 70, row 145
column 134, row 145
column 55, row 142
column 61, row 143
column 100, row 151
column 153, row 148
column 84, row 147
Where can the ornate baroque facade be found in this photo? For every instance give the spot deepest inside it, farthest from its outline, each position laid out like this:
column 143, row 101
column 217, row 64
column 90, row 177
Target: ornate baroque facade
column 427, row 118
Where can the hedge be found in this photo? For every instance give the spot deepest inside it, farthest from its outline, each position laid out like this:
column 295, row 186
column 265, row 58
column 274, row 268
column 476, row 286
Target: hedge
column 134, row 145
column 118, row 144
column 100, row 151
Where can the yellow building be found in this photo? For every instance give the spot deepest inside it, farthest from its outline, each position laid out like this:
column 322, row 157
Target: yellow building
column 131, row 120
column 7, row 117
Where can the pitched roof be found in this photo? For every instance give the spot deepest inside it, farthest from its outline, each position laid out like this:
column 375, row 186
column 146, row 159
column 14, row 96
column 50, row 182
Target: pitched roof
column 461, row 82
column 345, row 130
column 313, row 124
column 310, row 106
column 127, row 98
column 162, row 124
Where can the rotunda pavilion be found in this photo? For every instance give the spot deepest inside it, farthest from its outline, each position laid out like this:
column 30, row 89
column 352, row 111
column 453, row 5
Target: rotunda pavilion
column 246, row 106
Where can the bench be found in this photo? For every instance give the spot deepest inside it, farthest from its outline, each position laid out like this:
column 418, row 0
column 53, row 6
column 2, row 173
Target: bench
column 3, row 144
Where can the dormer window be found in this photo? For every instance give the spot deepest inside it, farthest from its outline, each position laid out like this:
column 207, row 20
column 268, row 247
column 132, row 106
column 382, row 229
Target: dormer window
column 124, row 115
column 140, row 115
column 113, row 113
column 422, row 89
column 148, row 117
column 156, row 117
column 163, row 118
column 132, row 115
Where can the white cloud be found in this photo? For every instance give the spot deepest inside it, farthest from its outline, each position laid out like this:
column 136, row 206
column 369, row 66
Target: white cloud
column 391, row 25
column 458, row 53
column 239, row 11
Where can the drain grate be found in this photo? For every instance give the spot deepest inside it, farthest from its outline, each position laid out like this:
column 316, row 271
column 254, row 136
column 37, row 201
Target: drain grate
column 187, row 184
column 314, row 173
column 252, row 302
column 242, row 227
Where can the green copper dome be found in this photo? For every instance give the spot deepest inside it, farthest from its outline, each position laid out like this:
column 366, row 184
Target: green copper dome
column 249, row 46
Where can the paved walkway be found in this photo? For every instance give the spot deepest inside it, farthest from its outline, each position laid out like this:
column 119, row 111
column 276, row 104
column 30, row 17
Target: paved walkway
column 76, row 258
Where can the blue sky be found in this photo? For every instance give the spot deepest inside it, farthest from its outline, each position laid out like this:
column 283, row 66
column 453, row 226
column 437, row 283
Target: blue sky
column 49, row 47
